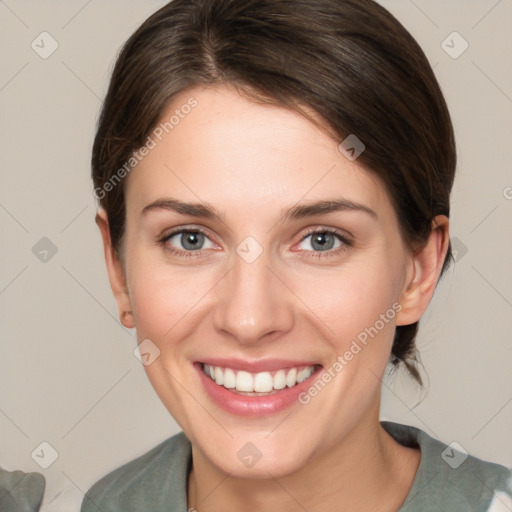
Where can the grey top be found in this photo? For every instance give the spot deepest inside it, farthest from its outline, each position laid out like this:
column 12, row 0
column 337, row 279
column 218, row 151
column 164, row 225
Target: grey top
column 20, row 491
column 446, row 480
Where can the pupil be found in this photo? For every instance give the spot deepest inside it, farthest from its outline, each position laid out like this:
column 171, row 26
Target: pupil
column 190, row 240
column 320, row 239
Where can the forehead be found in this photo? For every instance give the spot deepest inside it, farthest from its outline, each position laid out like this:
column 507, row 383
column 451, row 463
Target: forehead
column 230, row 150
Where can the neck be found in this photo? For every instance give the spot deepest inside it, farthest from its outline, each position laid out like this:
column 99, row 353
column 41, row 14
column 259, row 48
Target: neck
column 365, row 470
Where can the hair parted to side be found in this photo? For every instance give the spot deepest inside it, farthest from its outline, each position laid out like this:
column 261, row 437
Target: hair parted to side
column 350, row 61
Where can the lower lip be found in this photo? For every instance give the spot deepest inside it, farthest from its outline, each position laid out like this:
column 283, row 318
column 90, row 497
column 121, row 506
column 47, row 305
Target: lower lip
column 244, row 405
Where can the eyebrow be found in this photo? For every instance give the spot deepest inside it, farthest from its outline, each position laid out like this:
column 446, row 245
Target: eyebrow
column 322, row 207
column 200, row 210
column 300, row 211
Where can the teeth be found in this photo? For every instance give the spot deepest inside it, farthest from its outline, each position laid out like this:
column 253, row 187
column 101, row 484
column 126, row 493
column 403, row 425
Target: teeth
column 244, row 382
column 304, row 374
column 219, row 376
column 280, row 380
column 291, row 378
column 263, row 382
column 229, row 378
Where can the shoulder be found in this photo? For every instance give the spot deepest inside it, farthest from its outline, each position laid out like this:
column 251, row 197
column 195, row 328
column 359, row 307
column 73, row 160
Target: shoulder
column 448, row 478
column 145, row 483
column 21, row 491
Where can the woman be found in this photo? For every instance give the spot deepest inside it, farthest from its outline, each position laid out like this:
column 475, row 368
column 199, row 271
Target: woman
column 274, row 182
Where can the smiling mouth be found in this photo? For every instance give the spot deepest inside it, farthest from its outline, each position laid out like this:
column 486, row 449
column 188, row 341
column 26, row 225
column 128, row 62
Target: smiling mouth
column 261, row 383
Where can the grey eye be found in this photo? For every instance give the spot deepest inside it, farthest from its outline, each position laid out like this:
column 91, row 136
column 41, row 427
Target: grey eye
column 190, row 240
column 321, row 241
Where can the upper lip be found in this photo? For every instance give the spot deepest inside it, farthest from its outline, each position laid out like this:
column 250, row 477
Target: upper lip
column 264, row 365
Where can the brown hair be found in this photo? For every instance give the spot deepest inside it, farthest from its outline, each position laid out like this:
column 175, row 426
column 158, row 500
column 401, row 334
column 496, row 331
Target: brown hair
column 350, row 61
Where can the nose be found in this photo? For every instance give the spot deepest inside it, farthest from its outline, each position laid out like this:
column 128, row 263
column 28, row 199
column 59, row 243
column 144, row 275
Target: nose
column 253, row 302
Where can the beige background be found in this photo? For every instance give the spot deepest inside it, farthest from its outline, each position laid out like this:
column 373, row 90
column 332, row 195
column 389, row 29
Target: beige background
column 68, row 375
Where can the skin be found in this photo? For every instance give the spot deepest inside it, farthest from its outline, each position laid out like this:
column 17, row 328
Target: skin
column 250, row 162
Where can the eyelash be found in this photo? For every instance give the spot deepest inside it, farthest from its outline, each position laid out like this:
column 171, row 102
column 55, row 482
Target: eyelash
column 346, row 243
column 179, row 252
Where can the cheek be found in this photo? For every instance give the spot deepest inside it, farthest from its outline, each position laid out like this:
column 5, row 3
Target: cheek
column 351, row 300
column 166, row 300
column 343, row 303
column 350, row 297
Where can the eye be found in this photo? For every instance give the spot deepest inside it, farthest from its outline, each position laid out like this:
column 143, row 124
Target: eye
column 184, row 241
column 324, row 240
column 190, row 242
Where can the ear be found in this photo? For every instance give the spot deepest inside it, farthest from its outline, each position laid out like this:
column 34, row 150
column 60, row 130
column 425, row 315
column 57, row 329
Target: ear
column 115, row 271
column 424, row 271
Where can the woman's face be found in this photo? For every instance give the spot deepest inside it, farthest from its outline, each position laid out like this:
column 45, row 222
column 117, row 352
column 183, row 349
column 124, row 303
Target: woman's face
column 255, row 292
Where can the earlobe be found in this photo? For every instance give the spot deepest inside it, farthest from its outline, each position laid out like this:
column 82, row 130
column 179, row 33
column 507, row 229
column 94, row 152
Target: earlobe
column 115, row 271
column 426, row 266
